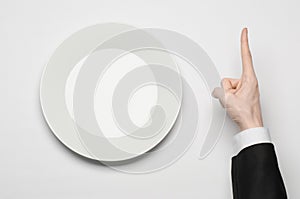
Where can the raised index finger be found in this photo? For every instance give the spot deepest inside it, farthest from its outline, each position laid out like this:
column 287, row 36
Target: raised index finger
column 246, row 55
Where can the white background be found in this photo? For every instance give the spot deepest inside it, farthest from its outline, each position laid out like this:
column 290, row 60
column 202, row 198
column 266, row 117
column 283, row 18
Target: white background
column 34, row 164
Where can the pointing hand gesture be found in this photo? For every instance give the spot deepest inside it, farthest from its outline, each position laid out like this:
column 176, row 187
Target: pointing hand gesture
column 240, row 97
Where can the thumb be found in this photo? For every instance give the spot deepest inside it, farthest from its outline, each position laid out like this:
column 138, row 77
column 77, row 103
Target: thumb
column 219, row 93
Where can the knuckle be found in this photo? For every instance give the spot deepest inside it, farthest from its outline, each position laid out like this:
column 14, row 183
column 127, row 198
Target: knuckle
column 223, row 81
column 250, row 80
column 245, row 78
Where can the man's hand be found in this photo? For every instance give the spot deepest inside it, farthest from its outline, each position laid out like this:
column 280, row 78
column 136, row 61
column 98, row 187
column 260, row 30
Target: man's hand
column 240, row 97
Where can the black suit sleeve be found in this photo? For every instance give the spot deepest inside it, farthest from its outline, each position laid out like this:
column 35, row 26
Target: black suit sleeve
column 255, row 174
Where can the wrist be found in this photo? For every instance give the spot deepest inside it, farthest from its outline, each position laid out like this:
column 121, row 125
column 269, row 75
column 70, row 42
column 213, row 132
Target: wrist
column 253, row 120
column 250, row 124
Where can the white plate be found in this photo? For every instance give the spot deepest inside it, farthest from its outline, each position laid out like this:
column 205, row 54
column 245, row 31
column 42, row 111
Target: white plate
column 78, row 130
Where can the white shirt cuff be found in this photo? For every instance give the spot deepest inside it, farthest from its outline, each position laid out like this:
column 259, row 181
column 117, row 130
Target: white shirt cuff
column 250, row 137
